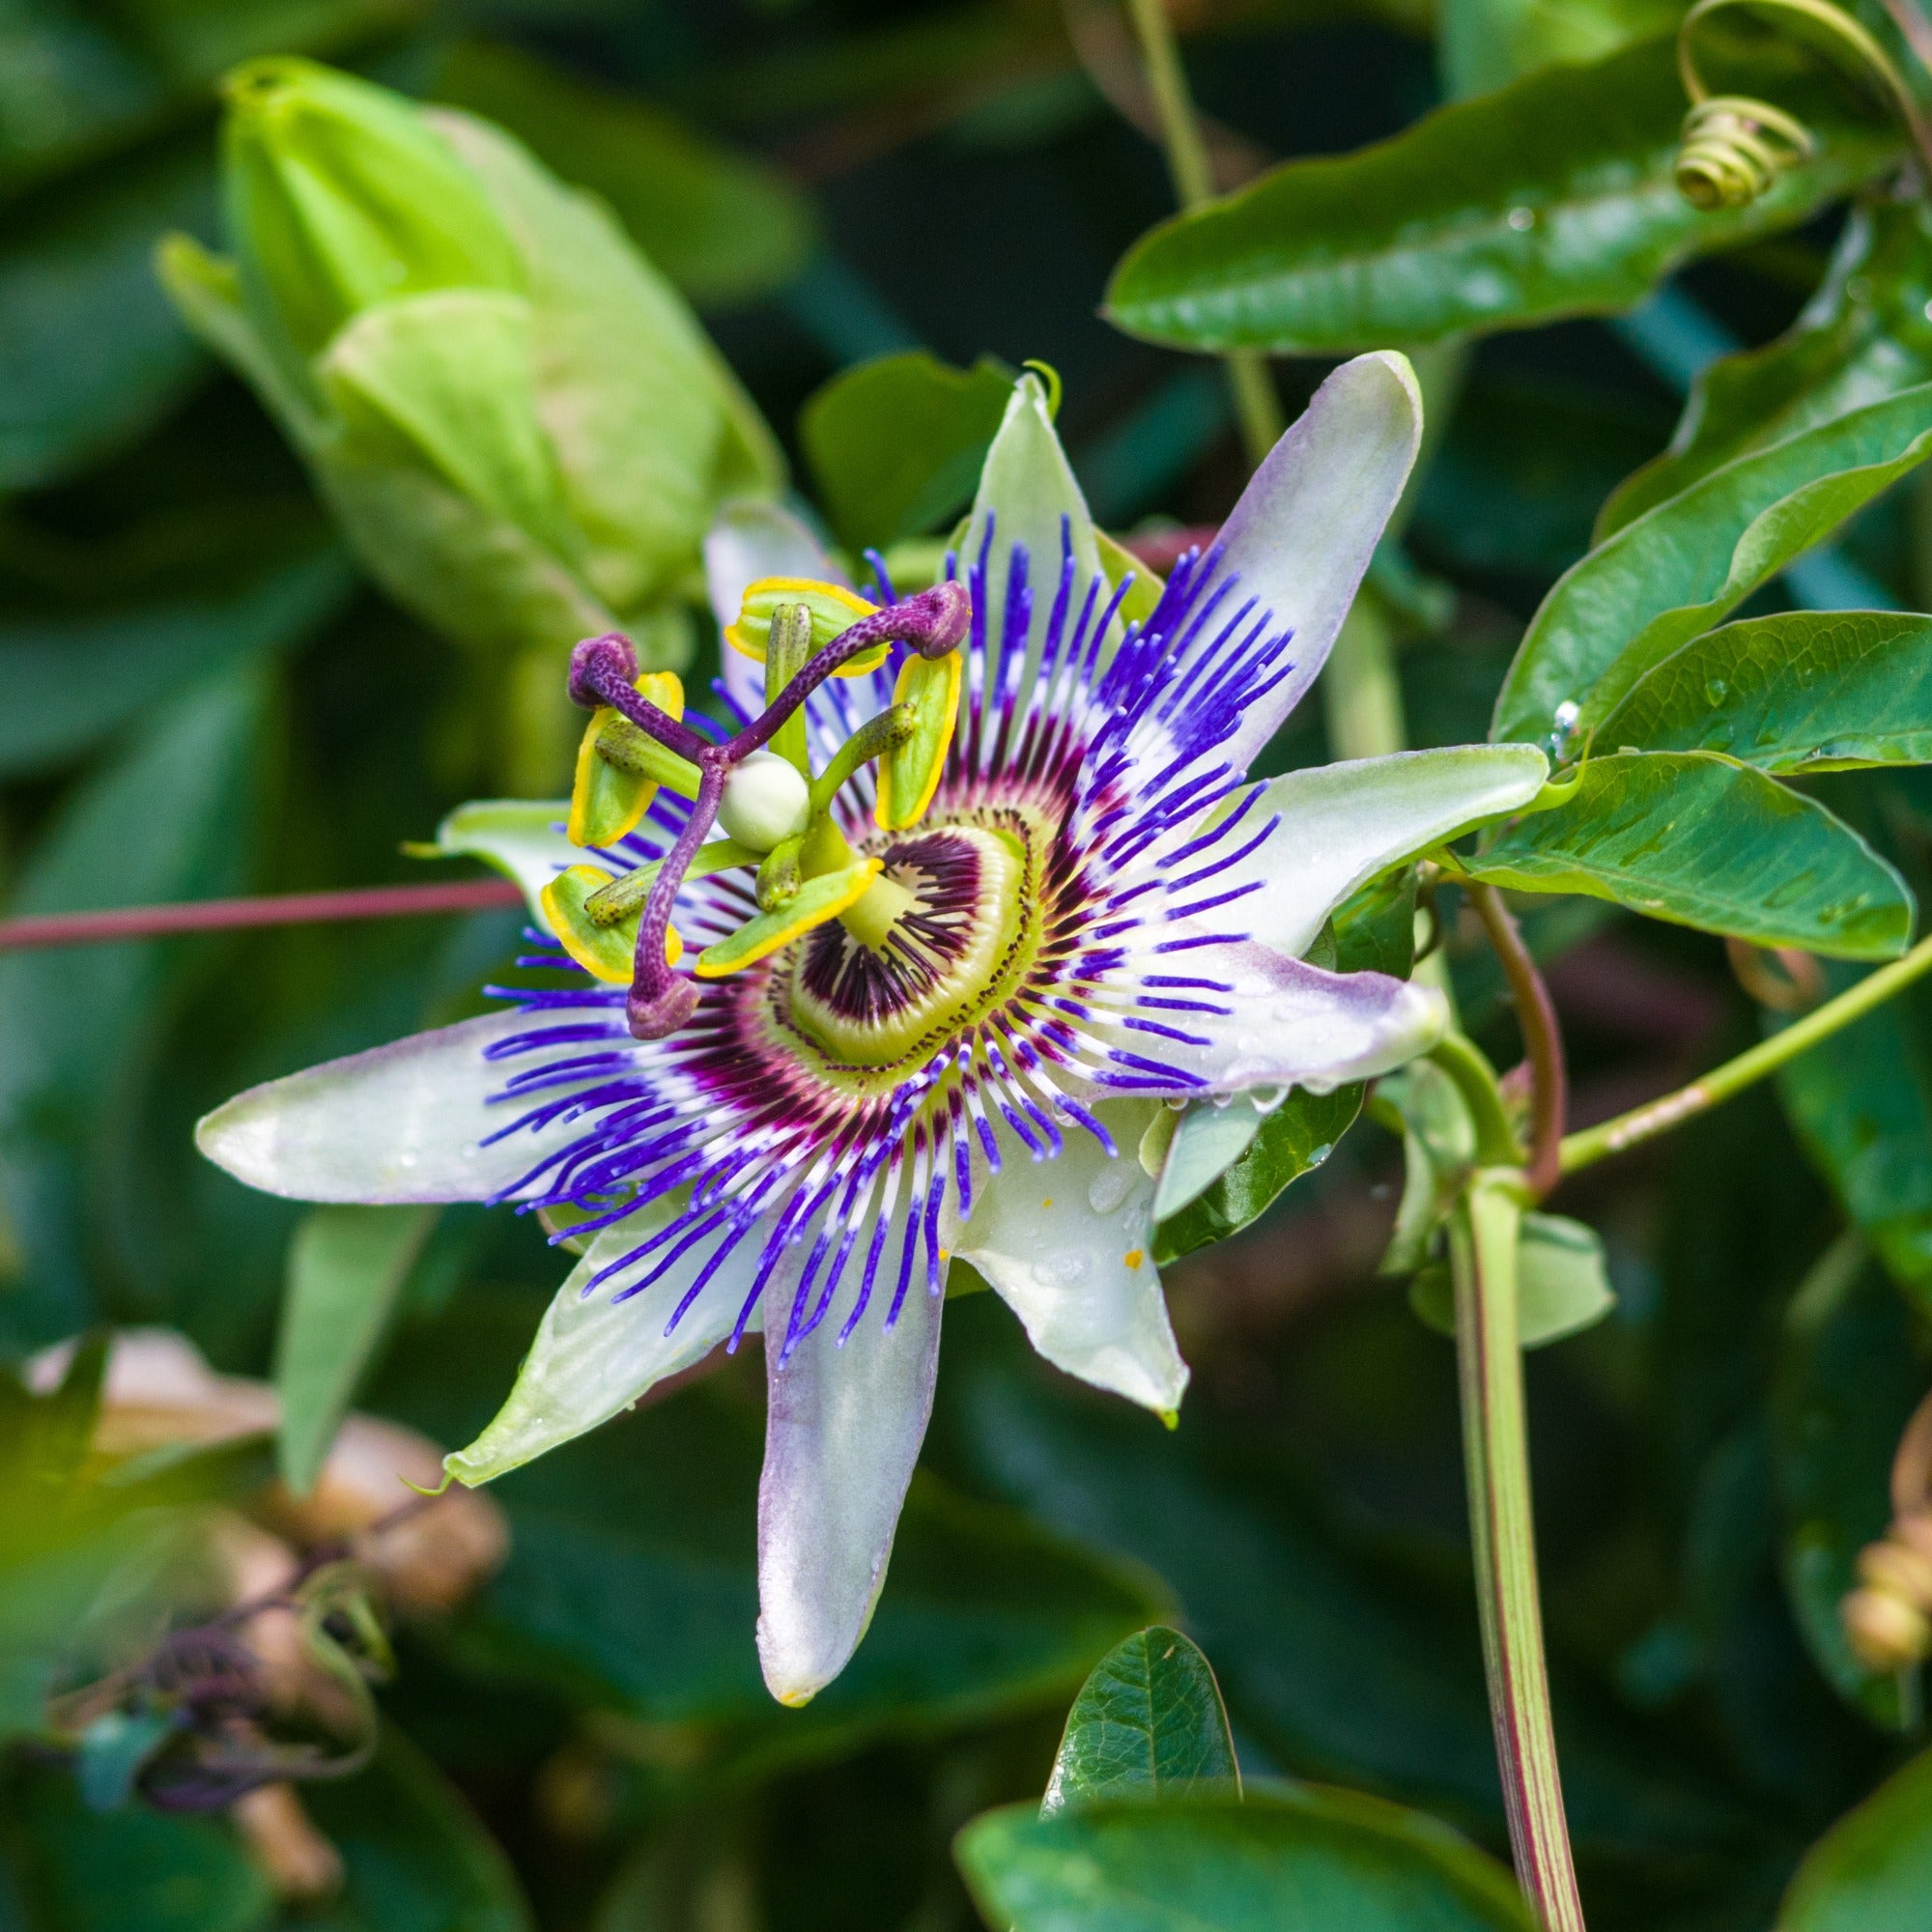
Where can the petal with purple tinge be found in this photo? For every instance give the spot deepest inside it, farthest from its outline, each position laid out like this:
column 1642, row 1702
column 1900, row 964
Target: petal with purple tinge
column 522, row 838
column 1306, row 526
column 594, row 1355
column 1338, row 826
column 843, row 1430
column 1286, row 1024
column 405, row 1121
column 1067, row 1244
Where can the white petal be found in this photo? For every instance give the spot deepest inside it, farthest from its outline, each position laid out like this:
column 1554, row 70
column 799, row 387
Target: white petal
column 1290, row 1024
column 594, row 1355
column 842, row 1432
column 400, row 1122
column 750, row 538
column 1066, row 1244
column 1208, row 1141
column 1310, row 518
column 522, row 838
column 1343, row 824
column 1026, row 490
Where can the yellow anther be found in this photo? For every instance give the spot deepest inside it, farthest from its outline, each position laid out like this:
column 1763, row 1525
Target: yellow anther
column 834, row 608
column 607, row 802
column 909, row 774
column 606, row 952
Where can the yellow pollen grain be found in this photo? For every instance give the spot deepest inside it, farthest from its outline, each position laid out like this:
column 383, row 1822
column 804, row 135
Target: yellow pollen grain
column 1134, row 1257
column 1048, row 1201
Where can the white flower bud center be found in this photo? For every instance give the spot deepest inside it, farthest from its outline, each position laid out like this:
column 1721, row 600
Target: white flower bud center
column 765, row 800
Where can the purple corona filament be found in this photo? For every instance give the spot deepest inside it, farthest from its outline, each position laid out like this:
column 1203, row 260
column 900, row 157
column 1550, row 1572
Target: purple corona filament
column 602, row 673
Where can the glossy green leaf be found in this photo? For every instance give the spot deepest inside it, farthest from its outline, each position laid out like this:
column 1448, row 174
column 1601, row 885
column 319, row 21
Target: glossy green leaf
column 1149, row 1720
column 1290, row 1858
column 1802, row 692
column 414, row 1856
column 896, row 444
column 1484, row 44
column 93, row 355
column 243, row 587
column 130, row 1870
column 1553, row 197
column 1693, row 838
column 1562, row 1286
column 723, row 226
column 1872, row 1870
column 1297, row 1136
column 1861, row 1106
column 346, row 1267
column 1678, row 569
column 1865, row 334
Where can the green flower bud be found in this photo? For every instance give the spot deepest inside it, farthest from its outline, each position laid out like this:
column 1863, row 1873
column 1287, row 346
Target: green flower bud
column 519, row 423
column 340, row 196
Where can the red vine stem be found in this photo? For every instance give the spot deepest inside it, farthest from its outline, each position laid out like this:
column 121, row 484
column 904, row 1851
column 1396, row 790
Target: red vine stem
column 1542, row 1039
column 94, row 929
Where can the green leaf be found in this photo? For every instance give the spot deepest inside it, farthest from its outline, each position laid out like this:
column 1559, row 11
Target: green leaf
column 243, row 585
column 1297, row 1136
column 721, row 224
column 1865, row 334
column 131, row 1870
column 72, row 1024
column 1301, row 1858
column 1872, row 1870
column 414, row 1856
column 1678, row 568
column 1562, row 1287
column 1553, row 197
column 63, row 1420
column 1861, row 1106
column 1486, row 43
column 94, row 357
column 1802, row 692
column 1150, row 1719
column 896, row 444
column 1696, row 839
column 346, row 1267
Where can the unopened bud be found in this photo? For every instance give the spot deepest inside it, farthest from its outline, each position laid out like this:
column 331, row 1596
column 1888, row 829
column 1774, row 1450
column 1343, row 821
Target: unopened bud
column 341, row 196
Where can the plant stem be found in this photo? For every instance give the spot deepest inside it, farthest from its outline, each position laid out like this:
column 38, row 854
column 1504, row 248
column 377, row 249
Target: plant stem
column 1257, row 407
column 93, row 928
column 1655, row 1117
column 1542, row 1039
column 1496, row 1447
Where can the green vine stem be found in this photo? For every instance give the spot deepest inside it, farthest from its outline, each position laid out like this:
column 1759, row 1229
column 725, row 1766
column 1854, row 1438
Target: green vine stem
column 1257, row 407
column 1495, row 1449
column 1656, row 1117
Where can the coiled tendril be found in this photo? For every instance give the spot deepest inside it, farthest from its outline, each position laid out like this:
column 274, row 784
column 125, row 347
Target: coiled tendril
column 1734, row 148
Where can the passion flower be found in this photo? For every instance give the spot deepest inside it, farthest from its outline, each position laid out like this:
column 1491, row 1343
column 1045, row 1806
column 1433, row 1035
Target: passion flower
column 939, row 994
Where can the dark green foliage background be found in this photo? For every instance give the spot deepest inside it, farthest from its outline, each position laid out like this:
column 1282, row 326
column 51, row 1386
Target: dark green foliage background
column 197, row 696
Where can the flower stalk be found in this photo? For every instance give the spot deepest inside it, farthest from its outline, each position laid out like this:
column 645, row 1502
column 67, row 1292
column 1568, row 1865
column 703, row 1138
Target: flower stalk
column 1483, row 1260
